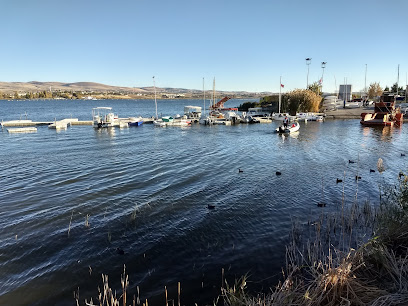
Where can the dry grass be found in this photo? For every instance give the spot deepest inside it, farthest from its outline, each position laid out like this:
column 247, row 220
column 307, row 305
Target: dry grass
column 336, row 264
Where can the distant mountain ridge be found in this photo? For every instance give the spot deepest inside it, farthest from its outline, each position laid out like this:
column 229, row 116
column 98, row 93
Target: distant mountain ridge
column 35, row 86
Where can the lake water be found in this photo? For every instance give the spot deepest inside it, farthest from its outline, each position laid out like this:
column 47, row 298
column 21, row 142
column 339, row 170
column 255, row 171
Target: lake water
column 146, row 191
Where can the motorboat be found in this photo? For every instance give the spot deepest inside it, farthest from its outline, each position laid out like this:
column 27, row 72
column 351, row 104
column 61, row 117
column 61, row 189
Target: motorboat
column 309, row 116
column 385, row 113
column 103, row 117
column 159, row 123
column 170, row 121
column 281, row 116
column 135, row 121
column 291, row 128
column 222, row 121
column 250, row 119
column 192, row 112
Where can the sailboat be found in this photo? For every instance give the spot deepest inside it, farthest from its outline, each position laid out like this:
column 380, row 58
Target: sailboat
column 207, row 120
column 157, row 122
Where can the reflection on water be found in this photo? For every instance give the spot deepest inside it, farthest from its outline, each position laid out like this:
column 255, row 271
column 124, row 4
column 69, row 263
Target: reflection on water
column 102, row 133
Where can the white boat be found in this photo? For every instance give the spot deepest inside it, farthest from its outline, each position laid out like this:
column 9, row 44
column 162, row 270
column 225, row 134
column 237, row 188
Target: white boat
column 159, row 123
column 291, row 128
column 353, row 104
column 170, row 121
column 219, row 114
column 222, row 121
column 179, row 122
column 309, row 117
column 280, row 116
column 249, row 119
column 192, row 112
column 206, row 120
column 103, row 117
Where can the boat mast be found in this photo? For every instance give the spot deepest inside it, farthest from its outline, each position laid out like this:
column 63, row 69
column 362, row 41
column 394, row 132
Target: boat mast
column 155, row 100
column 214, row 92
column 365, row 84
column 398, row 80
column 204, row 96
column 280, row 94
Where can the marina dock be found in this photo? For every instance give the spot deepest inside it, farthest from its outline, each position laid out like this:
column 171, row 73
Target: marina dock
column 70, row 121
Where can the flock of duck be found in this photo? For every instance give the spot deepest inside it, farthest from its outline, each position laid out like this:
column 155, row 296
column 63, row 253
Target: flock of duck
column 321, row 204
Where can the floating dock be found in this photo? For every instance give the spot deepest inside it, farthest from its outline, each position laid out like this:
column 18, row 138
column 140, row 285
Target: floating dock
column 23, row 130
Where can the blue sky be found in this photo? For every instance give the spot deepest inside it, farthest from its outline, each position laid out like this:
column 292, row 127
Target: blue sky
column 245, row 45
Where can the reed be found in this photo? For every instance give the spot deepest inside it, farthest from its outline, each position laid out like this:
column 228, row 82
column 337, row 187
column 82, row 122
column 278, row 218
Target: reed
column 358, row 271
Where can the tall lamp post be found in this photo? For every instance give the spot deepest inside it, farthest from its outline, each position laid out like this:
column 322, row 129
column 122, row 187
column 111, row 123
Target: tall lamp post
column 321, row 80
column 308, row 61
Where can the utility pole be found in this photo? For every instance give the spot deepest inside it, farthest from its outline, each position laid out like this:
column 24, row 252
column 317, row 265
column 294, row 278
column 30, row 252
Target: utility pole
column 308, row 61
column 321, row 80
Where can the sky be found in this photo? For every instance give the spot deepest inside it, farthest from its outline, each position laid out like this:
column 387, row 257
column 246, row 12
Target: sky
column 245, row 45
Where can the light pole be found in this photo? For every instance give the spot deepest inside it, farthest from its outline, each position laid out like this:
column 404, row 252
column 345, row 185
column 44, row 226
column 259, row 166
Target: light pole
column 321, row 80
column 308, row 61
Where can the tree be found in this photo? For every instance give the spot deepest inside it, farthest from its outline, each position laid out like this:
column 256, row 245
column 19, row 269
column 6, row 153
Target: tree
column 247, row 105
column 386, row 88
column 304, row 101
column 395, row 88
column 315, row 87
column 374, row 90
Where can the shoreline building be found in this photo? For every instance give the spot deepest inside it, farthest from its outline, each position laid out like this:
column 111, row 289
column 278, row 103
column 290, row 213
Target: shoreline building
column 345, row 92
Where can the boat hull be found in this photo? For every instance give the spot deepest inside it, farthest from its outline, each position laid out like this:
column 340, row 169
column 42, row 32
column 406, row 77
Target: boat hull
column 294, row 127
column 137, row 123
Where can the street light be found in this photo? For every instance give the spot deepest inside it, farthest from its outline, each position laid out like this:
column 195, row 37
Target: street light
column 308, row 61
column 321, row 80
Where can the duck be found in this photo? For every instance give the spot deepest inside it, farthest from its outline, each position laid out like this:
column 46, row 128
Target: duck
column 278, row 173
column 402, row 154
column 321, row 204
column 240, row 171
column 351, row 161
column 339, row 180
column 210, row 206
column 401, row 174
column 358, row 177
column 372, row 170
column 120, row 251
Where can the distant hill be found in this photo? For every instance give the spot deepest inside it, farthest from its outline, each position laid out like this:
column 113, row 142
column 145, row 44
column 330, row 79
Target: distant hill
column 34, row 86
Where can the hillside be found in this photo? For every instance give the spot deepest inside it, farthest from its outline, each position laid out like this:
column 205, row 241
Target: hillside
column 92, row 87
